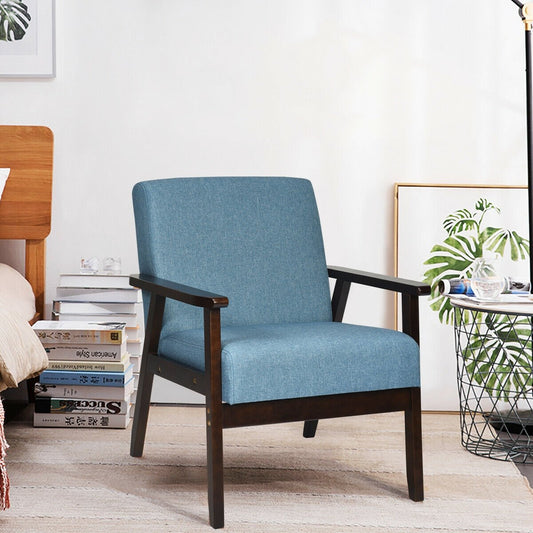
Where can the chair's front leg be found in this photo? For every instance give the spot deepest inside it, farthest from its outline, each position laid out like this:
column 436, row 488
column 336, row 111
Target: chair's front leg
column 215, row 465
column 413, row 447
column 146, row 377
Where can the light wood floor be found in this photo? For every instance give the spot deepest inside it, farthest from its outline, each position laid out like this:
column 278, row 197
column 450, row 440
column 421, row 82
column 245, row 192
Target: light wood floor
column 20, row 410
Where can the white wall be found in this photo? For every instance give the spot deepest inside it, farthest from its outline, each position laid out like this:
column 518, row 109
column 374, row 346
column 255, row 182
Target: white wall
column 353, row 94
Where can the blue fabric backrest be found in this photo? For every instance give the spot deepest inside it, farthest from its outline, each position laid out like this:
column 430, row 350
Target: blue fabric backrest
column 255, row 240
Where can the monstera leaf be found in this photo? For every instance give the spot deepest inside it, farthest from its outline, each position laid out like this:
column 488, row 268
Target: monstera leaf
column 499, row 239
column 14, row 20
column 462, row 220
column 498, row 361
column 451, row 259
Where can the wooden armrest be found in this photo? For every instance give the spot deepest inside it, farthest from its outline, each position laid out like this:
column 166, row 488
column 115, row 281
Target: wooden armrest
column 176, row 291
column 380, row 281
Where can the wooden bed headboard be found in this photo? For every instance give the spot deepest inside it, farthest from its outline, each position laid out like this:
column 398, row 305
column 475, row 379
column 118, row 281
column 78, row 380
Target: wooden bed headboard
column 26, row 203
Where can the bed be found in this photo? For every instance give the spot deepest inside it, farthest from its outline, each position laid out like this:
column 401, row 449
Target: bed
column 26, row 203
column 25, row 214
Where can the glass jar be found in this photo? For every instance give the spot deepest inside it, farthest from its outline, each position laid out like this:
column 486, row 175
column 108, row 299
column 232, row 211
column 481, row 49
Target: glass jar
column 487, row 281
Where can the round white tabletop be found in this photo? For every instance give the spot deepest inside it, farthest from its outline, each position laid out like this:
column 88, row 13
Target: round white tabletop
column 507, row 303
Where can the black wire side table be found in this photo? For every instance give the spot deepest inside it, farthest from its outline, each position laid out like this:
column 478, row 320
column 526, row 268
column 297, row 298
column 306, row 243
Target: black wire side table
column 493, row 345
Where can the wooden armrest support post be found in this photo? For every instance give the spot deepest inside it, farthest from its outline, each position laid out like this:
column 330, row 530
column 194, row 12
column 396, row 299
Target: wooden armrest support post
column 409, row 289
column 161, row 289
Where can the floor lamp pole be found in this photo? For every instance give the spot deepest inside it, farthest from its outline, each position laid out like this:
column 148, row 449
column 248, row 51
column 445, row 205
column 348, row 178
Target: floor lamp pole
column 526, row 12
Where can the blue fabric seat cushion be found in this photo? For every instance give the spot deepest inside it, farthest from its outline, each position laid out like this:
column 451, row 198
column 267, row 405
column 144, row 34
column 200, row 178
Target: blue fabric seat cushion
column 280, row 361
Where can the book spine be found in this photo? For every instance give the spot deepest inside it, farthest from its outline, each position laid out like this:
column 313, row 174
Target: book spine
column 58, row 336
column 88, row 366
column 81, row 405
column 135, row 360
column 84, row 391
column 67, row 377
column 133, row 333
column 135, row 347
column 80, row 420
column 129, row 320
column 65, row 352
column 94, row 281
column 93, row 308
column 99, row 295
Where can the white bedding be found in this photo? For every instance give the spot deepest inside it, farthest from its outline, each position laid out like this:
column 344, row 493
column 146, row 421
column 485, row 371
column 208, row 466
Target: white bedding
column 4, row 174
column 22, row 355
column 16, row 292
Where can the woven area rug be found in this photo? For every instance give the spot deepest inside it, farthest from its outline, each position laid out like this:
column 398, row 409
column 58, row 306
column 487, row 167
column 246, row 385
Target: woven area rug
column 350, row 477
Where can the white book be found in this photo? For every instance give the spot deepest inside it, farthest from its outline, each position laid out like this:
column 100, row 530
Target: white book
column 85, row 391
column 72, row 331
column 86, row 352
column 136, row 361
column 80, row 420
column 128, row 320
column 93, row 366
column 135, row 347
column 46, row 404
column 95, row 308
column 81, row 294
column 95, row 281
column 133, row 333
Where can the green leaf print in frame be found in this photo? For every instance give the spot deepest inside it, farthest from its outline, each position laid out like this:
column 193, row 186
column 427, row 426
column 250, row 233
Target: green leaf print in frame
column 439, row 231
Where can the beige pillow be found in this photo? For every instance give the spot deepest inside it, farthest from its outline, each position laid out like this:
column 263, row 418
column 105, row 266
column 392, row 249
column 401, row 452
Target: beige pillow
column 22, row 355
column 16, row 292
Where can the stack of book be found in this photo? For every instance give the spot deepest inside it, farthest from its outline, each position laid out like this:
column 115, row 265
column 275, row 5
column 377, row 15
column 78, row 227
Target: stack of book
column 89, row 380
column 103, row 298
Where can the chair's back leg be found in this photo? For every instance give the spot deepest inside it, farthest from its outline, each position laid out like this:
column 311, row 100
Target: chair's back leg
column 310, row 428
column 338, row 305
column 413, row 447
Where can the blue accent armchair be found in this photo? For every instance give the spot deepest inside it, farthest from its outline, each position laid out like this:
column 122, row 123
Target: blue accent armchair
column 238, row 308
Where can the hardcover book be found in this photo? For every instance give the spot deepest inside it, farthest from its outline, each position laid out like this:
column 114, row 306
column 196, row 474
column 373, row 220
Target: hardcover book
column 81, row 420
column 69, row 332
column 81, row 294
column 84, row 391
column 95, row 281
column 81, row 405
column 103, row 379
column 134, row 333
column 94, row 308
column 92, row 366
column 135, row 346
column 129, row 320
column 86, row 352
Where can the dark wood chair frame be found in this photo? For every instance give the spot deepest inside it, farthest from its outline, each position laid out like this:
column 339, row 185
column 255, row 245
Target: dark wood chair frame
column 220, row 415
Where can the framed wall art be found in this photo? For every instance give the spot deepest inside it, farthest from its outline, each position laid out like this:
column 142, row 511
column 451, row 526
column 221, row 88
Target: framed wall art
column 27, row 38
column 439, row 230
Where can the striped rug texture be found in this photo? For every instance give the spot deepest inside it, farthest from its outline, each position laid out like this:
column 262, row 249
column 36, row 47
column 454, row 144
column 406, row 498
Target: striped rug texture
column 349, row 478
